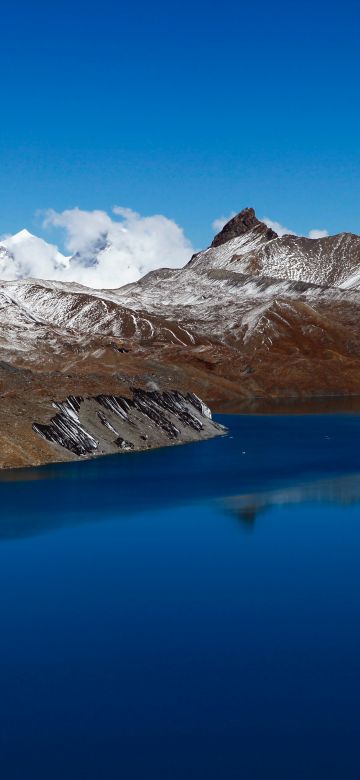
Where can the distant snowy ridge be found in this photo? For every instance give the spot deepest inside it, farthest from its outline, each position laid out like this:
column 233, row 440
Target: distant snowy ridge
column 107, row 252
column 104, row 252
column 256, row 315
column 24, row 255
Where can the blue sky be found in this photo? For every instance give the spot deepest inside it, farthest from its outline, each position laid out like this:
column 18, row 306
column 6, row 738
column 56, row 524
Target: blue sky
column 190, row 110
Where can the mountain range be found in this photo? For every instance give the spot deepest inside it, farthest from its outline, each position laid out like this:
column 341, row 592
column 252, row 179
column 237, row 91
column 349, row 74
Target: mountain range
column 253, row 316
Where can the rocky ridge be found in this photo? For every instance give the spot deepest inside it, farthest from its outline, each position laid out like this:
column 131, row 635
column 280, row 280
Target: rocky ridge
column 108, row 423
column 253, row 316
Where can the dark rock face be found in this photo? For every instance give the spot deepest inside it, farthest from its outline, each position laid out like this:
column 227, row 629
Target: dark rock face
column 147, row 404
column 242, row 223
column 146, row 420
column 68, row 433
column 123, row 444
column 174, row 402
column 116, row 404
column 65, row 428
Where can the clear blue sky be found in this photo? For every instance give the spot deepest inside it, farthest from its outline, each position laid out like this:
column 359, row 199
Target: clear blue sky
column 189, row 109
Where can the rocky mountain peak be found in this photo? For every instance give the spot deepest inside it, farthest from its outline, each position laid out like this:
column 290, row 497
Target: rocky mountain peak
column 242, row 223
column 253, row 317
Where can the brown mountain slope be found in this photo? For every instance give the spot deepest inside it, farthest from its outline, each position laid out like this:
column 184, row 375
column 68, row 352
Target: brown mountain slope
column 252, row 316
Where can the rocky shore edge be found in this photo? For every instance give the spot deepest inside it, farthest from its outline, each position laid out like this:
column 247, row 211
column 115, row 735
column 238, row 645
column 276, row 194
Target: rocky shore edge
column 86, row 427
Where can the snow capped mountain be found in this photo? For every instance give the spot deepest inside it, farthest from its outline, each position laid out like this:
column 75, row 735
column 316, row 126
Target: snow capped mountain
column 103, row 251
column 244, row 245
column 102, row 254
column 254, row 315
column 24, row 255
column 223, row 290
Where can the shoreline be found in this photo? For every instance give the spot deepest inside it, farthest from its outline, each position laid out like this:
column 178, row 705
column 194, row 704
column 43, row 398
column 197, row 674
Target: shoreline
column 324, row 404
column 56, row 454
column 88, row 427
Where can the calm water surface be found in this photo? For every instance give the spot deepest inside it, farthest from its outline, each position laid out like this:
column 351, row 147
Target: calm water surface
column 192, row 612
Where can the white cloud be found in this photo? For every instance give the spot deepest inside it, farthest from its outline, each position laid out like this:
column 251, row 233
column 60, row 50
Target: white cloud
column 103, row 251
column 82, row 228
column 280, row 229
column 318, row 233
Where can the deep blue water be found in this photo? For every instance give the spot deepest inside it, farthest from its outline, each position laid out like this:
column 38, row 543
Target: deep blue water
column 192, row 612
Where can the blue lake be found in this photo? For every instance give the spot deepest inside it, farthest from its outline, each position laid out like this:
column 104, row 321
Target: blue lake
column 192, row 612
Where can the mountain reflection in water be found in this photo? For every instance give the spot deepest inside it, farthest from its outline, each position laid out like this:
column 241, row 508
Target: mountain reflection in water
column 338, row 490
column 265, row 460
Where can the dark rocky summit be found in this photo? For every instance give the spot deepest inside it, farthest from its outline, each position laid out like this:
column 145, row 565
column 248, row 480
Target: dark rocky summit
column 242, row 223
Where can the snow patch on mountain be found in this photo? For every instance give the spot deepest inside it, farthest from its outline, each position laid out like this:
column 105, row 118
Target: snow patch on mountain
column 24, row 255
